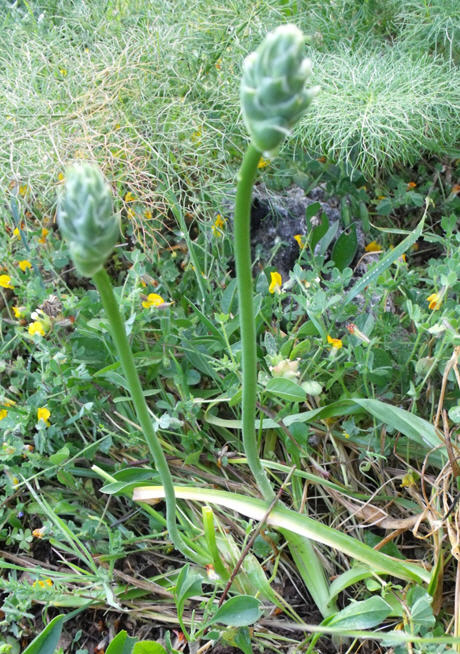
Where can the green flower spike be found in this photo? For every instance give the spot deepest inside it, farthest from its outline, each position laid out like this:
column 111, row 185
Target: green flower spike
column 86, row 218
column 273, row 93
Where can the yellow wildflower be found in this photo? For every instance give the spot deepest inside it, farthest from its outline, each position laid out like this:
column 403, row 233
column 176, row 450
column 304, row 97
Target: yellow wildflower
column 409, row 480
column 60, row 177
column 36, row 327
column 153, row 300
column 43, row 414
column 18, row 311
column 275, row 282
column 5, row 281
column 39, row 533
column 218, row 225
column 16, row 232
column 24, row 264
column 130, row 197
column 148, row 214
column 63, row 72
column 3, row 413
column 44, row 234
column 434, row 301
column 263, row 163
column 299, row 239
column 373, row 246
column 23, row 190
column 8, row 402
column 335, row 342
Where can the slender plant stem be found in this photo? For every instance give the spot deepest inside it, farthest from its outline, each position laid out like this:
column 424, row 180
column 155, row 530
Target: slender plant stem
column 109, row 302
column 246, row 177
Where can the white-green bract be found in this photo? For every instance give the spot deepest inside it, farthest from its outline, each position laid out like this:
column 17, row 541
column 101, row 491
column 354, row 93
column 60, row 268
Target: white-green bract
column 86, row 218
column 273, row 91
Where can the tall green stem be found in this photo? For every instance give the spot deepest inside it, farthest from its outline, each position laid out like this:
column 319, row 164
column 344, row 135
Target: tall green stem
column 246, row 177
column 109, row 302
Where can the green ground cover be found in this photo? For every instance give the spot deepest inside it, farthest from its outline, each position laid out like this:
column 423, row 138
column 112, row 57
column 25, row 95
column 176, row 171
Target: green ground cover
column 357, row 347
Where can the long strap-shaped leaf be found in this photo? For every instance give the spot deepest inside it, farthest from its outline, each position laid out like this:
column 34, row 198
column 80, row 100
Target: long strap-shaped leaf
column 385, row 262
column 302, row 525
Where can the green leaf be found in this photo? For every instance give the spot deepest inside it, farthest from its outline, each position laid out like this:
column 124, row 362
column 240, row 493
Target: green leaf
column 385, row 262
column 285, row 389
column 148, row 647
column 344, row 249
column 121, row 644
column 319, row 231
column 188, row 584
column 46, row 642
column 60, row 456
column 289, row 520
column 312, row 210
column 361, row 615
column 238, row 611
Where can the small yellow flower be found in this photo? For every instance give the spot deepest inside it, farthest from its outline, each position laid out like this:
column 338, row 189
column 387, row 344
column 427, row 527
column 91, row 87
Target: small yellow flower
column 335, row 342
column 411, row 185
column 3, row 413
column 43, row 414
column 153, row 300
column 23, row 190
column 196, row 136
column 60, row 177
column 18, row 312
column 263, row 163
column 148, row 214
column 36, row 327
column 63, row 72
column 15, row 481
column 130, row 197
column 373, row 246
column 434, row 301
column 5, row 281
column 39, row 533
column 24, row 264
column 219, row 223
column 275, row 283
column 131, row 214
column 44, row 234
column 16, row 233
column 409, row 480
column 8, row 402
column 299, row 239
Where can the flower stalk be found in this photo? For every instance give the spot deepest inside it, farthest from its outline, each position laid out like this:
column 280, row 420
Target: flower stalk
column 87, row 222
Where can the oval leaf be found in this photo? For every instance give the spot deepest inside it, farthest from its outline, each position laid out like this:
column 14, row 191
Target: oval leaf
column 238, row 611
column 361, row 615
column 344, row 249
column 285, row 389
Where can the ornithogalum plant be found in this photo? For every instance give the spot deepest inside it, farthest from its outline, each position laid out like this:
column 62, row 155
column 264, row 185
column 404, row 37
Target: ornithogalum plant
column 91, row 228
column 274, row 95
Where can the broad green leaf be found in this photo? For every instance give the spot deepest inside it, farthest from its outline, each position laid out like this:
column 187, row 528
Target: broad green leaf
column 285, row 389
column 188, row 584
column 289, row 520
column 412, row 426
column 46, row 642
column 352, row 576
column 319, row 231
column 361, row 615
column 240, row 611
column 121, row 644
column 148, row 647
column 385, row 262
column 328, row 237
column 60, row 456
column 312, row 210
column 344, row 249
